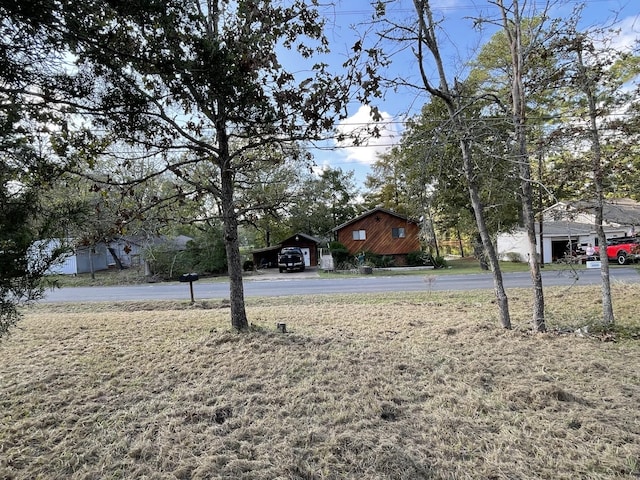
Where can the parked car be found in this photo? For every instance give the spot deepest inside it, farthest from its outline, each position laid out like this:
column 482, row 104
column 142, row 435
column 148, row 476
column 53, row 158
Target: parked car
column 291, row 258
column 623, row 249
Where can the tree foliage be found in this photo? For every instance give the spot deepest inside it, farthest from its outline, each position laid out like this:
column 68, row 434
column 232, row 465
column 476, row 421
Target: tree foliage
column 33, row 221
column 422, row 176
column 201, row 87
column 322, row 202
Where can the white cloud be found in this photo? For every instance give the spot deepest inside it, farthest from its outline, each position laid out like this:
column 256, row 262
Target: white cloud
column 361, row 144
column 629, row 34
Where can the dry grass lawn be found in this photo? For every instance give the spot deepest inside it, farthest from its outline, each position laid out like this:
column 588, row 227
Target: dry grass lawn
column 403, row 386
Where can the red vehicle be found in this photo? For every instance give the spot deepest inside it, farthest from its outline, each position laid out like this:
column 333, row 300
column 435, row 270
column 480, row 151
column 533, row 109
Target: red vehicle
column 623, row 249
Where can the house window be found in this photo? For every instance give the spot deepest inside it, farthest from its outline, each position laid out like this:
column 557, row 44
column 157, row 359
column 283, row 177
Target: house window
column 359, row 235
column 398, row 232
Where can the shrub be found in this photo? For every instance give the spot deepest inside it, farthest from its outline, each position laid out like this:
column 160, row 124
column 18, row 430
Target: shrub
column 380, row 261
column 417, row 258
column 247, row 266
column 439, row 262
column 167, row 263
column 339, row 253
column 514, row 257
column 204, row 254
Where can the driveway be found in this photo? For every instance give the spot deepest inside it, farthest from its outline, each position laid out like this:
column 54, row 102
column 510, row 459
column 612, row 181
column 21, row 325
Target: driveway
column 274, row 274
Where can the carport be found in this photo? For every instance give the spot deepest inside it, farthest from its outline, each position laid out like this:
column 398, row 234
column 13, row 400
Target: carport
column 267, row 257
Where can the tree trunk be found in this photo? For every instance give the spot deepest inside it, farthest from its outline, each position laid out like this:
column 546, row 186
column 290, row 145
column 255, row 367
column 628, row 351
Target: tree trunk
column 234, row 261
column 478, row 250
column 115, row 257
column 524, row 167
column 489, row 250
column 239, row 319
column 598, row 174
column 460, row 241
column 427, row 37
column 539, row 324
column 513, row 30
column 91, row 266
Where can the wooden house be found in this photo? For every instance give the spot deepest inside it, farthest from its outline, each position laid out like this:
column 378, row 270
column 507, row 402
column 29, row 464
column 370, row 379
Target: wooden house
column 382, row 232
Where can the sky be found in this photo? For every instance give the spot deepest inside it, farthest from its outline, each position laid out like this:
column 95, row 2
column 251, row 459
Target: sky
column 459, row 43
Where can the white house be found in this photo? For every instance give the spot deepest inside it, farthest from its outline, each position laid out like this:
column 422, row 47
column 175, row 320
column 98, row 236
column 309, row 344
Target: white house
column 128, row 250
column 79, row 260
column 571, row 225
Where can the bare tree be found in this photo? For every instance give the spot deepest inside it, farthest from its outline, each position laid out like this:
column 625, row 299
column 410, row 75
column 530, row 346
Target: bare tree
column 512, row 25
column 428, row 48
column 595, row 76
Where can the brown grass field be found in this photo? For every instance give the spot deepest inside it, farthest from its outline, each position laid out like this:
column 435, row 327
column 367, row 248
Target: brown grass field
column 401, row 386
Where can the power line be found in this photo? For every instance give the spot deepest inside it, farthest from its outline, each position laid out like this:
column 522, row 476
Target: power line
column 467, row 6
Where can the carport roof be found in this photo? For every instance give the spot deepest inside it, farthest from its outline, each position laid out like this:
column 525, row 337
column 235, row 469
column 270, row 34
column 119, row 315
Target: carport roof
column 267, row 249
column 300, row 234
column 286, row 240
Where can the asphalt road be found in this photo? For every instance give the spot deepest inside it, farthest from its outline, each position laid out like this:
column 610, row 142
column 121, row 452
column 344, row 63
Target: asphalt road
column 295, row 284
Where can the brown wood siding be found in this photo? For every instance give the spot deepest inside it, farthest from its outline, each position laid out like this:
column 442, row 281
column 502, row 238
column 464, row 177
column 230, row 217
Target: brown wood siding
column 303, row 243
column 378, row 227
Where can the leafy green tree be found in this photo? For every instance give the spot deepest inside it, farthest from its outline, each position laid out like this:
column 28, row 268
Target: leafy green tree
column 323, row 202
column 206, row 252
column 28, row 225
column 421, row 34
column 597, row 81
column 201, row 86
column 32, row 221
column 268, row 194
column 422, row 176
column 388, row 186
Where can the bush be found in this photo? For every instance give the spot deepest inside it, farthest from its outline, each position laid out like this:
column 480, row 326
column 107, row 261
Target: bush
column 417, row 258
column 247, row 266
column 514, row 257
column 380, row 261
column 167, row 263
column 205, row 254
column 439, row 262
column 339, row 253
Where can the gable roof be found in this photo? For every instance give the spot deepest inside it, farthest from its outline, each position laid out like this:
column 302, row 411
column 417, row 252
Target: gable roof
column 622, row 211
column 371, row 212
column 279, row 245
column 303, row 235
column 565, row 228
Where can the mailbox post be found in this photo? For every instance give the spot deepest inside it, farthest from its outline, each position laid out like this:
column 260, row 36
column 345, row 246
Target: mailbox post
column 189, row 277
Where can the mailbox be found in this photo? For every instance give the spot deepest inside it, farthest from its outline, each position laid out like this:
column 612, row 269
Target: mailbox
column 188, row 277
